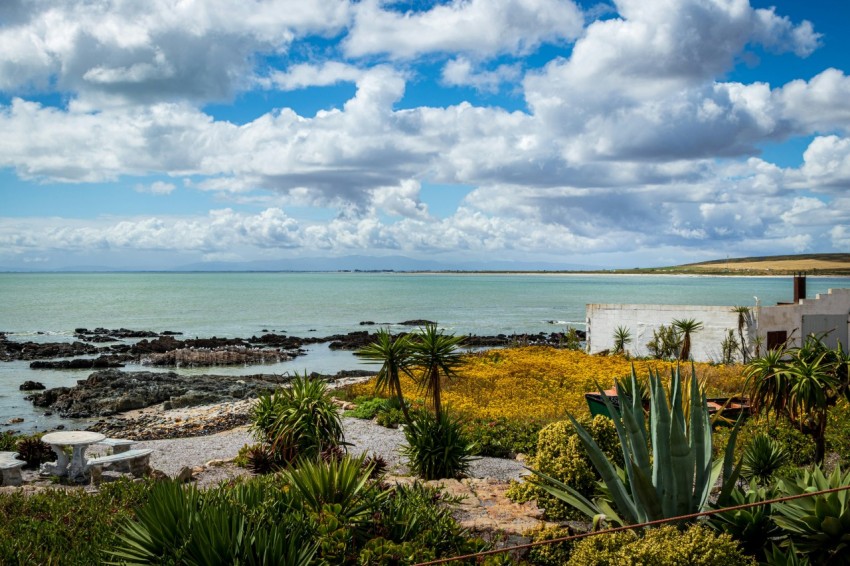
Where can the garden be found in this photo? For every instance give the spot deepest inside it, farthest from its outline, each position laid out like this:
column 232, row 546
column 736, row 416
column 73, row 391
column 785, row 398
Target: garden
column 717, row 491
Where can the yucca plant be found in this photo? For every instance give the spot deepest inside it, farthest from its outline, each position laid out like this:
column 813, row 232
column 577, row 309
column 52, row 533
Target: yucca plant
column 819, row 526
column 436, row 446
column 622, row 337
column 762, row 458
column 675, row 478
column 394, row 355
column 685, row 328
column 177, row 525
column 438, row 356
column 299, row 419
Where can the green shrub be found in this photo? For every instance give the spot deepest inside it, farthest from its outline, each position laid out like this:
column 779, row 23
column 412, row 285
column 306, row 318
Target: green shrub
column 503, row 438
column 8, row 441
column 556, row 554
column 561, row 455
column 34, row 452
column 300, row 420
column 838, row 431
column 69, row 527
column 436, row 446
column 367, row 408
column 390, row 418
column 665, row 546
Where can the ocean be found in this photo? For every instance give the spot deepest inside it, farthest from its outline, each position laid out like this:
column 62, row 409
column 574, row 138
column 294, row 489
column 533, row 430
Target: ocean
column 47, row 307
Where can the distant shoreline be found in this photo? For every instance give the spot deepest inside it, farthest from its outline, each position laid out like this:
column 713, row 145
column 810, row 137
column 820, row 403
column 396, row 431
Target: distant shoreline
column 677, row 272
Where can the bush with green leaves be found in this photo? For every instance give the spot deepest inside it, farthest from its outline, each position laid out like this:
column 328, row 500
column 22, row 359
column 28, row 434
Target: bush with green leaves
column 367, row 407
column 562, row 456
column 503, row 438
column 298, row 421
column 69, row 527
column 664, row 546
column 8, row 441
column 437, row 446
column 319, row 512
column 819, row 526
column 555, row 554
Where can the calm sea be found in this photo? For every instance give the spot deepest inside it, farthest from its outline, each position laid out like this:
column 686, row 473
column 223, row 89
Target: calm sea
column 48, row 307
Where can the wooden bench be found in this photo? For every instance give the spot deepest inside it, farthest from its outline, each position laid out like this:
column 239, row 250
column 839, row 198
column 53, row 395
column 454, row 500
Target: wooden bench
column 137, row 461
column 10, row 469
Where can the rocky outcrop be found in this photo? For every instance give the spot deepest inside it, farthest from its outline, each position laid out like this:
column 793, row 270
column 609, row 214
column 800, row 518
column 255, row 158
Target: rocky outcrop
column 112, row 391
column 101, row 362
column 31, row 386
column 10, row 350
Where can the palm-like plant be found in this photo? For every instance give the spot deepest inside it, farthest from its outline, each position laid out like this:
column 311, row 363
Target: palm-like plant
column 394, row 355
column 743, row 319
column 622, row 337
column 800, row 384
column 686, row 327
column 439, row 356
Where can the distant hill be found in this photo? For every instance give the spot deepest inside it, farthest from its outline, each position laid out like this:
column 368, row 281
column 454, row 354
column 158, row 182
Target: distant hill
column 812, row 264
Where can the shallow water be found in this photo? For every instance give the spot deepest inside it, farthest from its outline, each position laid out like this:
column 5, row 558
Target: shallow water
column 48, row 307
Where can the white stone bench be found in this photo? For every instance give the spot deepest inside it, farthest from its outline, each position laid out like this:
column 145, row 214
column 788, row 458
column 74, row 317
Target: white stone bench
column 136, row 460
column 118, row 445
column 10, row 469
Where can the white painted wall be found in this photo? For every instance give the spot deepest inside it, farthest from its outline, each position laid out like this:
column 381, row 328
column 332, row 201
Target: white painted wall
column 642, row 320
column 790, row 317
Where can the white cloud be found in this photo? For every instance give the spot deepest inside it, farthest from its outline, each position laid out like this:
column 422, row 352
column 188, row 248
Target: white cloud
column 307, row 75
column 117, row 51
column 156, row 188
column 482, row 28
column 461, row 72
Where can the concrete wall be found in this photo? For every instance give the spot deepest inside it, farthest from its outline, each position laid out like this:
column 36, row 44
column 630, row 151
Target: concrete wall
column 641, row 320
column 790, row 317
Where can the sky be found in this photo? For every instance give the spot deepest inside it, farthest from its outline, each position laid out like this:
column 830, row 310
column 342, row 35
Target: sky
column 635, row 133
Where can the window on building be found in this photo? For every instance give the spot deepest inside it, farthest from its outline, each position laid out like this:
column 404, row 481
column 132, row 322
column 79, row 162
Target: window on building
column 776, row 339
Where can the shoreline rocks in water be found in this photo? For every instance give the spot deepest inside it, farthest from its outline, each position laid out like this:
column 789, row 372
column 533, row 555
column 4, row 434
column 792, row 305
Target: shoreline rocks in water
column 112, row 391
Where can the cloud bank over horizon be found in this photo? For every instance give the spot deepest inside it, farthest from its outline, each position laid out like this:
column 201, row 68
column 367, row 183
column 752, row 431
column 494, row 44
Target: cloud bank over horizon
column 632, row 133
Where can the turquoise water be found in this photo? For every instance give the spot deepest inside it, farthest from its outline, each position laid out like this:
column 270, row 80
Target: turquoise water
column 320, row 304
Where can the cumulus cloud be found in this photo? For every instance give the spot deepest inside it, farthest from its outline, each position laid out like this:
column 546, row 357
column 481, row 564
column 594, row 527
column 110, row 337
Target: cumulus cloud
column 633, row 140
column 482, row 28
column 462, row 72
column 119, row 51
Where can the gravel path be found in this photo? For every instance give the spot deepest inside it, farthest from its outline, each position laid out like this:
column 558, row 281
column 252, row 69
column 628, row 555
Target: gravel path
column 172, row 455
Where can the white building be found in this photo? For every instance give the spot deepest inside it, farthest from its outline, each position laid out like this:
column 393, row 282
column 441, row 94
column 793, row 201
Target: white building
column 767, row 326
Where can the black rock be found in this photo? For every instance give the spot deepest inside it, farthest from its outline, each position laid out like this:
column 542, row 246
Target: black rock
column 31, row 386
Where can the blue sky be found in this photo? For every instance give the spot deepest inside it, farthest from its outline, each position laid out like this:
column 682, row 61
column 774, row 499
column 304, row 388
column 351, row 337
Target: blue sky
column 632, row 133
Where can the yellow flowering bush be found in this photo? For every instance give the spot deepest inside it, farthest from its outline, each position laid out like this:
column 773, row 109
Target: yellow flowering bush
column 545, row 383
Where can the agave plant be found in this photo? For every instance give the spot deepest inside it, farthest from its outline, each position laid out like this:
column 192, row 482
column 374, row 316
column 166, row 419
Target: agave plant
column 819, row 526
column 790, row 557
column 753, row 526
column 675, row 478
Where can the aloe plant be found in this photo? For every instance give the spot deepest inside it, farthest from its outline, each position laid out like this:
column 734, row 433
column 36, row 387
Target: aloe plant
column 819, row 526
column 675, row 478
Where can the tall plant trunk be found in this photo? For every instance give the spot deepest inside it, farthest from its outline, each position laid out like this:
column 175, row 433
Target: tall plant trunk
column 686, row 348
column 435, row 390
column 744, row 353
column 820, row 441
column 401, row 398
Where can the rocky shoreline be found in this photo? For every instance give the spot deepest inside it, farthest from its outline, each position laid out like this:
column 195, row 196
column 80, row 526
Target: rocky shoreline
column 109, row 391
